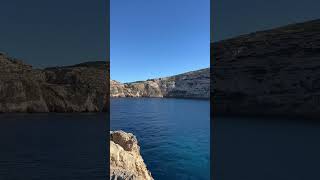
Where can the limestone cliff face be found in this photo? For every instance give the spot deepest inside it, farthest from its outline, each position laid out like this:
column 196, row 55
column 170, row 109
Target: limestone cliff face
column 274, row 72
column 79, row 88
column 126, row 162
column 193, row 84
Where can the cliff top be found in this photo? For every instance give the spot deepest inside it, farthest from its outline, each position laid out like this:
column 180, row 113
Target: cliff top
column 5, row 58
column 312, row 26
column 89, row 64
column 200, row 71
column 295, row 40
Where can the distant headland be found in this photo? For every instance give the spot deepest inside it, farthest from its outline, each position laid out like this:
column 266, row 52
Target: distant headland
column 194, row 84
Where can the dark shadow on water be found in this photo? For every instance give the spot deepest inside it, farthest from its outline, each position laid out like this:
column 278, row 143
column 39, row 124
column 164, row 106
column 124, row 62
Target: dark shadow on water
column 266, row 148
column 53, row 146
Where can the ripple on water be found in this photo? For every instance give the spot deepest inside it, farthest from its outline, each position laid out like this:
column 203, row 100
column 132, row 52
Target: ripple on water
column 173, row 134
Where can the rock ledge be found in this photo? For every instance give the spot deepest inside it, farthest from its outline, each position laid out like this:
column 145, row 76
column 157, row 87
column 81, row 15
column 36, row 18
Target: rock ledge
column 126, row 162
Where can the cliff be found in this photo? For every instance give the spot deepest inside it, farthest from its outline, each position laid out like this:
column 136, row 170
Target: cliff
column 79, row 88
column 273, row 72
column 126, row 162
column 84, row 87
column 193, row 84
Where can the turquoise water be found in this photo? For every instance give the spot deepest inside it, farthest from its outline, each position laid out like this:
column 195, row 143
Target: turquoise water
column 174, row 134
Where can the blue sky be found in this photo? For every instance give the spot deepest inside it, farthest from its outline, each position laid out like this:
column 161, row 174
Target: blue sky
column 153, row 38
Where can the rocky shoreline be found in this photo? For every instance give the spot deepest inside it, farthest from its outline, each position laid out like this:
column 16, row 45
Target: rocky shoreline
column 84, row 87
column 126, row 162
column 194, row 84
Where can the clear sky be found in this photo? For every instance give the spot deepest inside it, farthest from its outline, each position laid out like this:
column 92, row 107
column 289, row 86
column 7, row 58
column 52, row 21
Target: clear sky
column 235, row 17
column 54, row 32
column 157, row 38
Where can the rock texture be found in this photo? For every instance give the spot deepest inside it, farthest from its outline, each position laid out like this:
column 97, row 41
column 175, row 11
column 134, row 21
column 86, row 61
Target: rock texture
column 126, row 162
column 273, row 72
column 193, row 84
column 79, row 88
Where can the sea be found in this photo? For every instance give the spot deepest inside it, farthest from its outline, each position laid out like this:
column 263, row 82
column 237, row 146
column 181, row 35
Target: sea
column 53, row 146
column 265, row 148
column 173, row 134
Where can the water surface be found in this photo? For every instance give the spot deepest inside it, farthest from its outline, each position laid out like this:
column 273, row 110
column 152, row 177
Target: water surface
column 267, row 148
column 53, row 146
column 174, row 134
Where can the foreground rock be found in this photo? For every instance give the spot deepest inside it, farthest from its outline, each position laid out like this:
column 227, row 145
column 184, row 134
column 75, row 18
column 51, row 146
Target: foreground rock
column 79, row 88
column 274, row 72
column 193, row 84
column 126, row 162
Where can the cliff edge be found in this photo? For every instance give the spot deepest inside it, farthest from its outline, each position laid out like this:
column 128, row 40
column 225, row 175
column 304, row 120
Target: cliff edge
column 126, row 162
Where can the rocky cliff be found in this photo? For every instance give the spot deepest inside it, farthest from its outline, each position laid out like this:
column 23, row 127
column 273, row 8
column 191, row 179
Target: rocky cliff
column 273, row 72
column 79, row 88
column 193, row 84
column 126, row 162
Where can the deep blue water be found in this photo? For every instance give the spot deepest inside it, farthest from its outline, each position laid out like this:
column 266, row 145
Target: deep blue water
column 53, row 146
column 270, row 148
column 174, row 134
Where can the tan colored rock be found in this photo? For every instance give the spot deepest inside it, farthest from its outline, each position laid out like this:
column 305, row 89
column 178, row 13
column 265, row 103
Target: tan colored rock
column 194, row 84
column 126, row 162
column 116, row 89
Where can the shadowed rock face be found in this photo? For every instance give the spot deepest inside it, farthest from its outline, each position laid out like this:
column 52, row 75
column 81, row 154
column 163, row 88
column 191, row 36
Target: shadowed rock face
column 193, row 84
column 274, row 72
column 79, row 88
column 126, row 162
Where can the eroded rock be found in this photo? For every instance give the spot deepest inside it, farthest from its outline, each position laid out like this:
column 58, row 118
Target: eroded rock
column 126, row 162
column 195, row 84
